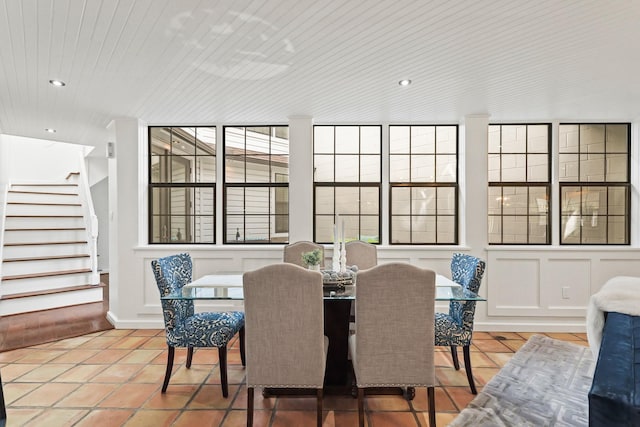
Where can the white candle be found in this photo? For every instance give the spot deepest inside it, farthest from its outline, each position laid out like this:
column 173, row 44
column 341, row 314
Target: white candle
column 343, row 236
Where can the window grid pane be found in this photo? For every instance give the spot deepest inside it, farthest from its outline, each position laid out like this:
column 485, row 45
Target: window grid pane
column 182, row 175
column 347, row 181
column 256, row 184
column 595, row 214
column 519, row 214
column 423, row 177
column 595, row 183
column 519, row 184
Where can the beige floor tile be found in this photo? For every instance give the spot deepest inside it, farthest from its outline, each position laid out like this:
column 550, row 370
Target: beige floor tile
column 80, row 373
column 129, row 396
column 45, row 372
column 200, row 419
column 87, row 395
column 386, row 403
column 210, row 397
column 239, row 418
column 155, row 418
column 106, row 418
column 176, row 397
column 392, row 419
column 46, row 395
column 117, row 373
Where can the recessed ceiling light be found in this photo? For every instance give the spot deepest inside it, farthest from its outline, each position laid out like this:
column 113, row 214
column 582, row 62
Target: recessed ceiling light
column 405, row 82
column 50, row 130
column 57, row 83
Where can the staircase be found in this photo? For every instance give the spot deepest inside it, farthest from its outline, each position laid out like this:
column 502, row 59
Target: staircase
column 47, row 250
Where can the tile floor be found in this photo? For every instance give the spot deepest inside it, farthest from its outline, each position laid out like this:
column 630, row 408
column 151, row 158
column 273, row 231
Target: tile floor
column 113, row 378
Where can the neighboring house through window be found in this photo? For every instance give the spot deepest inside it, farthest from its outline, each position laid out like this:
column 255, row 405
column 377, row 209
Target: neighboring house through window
column 182, row 176
column 256, row 184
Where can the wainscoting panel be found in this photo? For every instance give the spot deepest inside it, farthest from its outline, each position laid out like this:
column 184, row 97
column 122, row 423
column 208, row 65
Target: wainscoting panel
column 552, row 282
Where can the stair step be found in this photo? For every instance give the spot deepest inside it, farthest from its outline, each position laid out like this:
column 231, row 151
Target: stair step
column 46, row 229
column 51, row 291
column 45, row 258
column 42, row 192
column 44, row 216
column 44, row 184
column 46, row 274
column 43, row 204
column 46, row 243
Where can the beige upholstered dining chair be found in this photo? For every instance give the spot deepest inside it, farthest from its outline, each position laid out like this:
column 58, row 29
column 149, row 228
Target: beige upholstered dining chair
column 293, row 252
column 284, row 324
column 362, row 254
column 393, row 343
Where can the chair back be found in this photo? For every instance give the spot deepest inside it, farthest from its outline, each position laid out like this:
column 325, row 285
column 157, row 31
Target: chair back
column 172, row 273
column 362, row 254
column 467, row 271
column 284, row 326
column 292, row 253
column 394, row 344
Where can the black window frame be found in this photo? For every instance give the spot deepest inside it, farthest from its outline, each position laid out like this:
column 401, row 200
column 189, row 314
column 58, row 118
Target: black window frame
column 189, row 186
column 626, row 185
column 268, row 185
column 525, row 184
column 348, row 184
column 420, row 184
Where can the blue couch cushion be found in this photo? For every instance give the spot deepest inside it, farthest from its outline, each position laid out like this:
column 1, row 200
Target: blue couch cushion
column 614, row 398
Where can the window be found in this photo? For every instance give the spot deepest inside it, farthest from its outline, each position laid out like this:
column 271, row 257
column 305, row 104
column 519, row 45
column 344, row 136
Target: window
column 519, row 184
column 595, row 183
column 256, row 184
column 423, row 179
column 182, row 176
column 347, row 177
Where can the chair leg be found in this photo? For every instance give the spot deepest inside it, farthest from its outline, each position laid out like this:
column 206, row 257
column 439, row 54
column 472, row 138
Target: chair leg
column 167, row 374
column 319, row 407
column 361, row 407
column 467, row 367
column 3, row 409
column 242, row 350
column 189, row 356
column 454, row 356
column 431, row 395
column 222, row 356
column 249, row 406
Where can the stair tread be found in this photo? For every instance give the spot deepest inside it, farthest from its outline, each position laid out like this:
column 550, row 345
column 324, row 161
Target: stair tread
column 45, row 258
column 47, row 274
column 42, row 192
column 46, row 229
column 44, row 184
column 44, row 216
column 70, row 242
column 43, row 204
column 50, row 291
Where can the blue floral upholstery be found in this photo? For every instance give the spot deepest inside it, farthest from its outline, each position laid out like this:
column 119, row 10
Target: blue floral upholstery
column 184, row 327
column 456, row 327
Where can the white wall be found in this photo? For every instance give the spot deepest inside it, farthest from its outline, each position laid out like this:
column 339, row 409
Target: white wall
column 33, row 160
column 523, row 285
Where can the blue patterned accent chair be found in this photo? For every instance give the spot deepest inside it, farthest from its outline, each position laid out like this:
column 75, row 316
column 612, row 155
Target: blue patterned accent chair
column 456, row 327
column 184, row 327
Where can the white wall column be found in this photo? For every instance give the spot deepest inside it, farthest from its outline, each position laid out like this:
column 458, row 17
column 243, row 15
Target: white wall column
column 300, row 178
column 127, row 196
column 473, row 185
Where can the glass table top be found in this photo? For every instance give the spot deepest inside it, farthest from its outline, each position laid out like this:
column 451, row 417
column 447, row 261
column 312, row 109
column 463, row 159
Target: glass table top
column 229, row 287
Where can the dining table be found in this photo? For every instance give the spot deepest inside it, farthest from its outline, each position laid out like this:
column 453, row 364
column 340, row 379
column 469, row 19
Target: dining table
column 337, row 312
